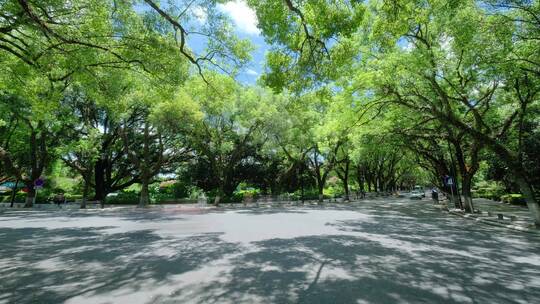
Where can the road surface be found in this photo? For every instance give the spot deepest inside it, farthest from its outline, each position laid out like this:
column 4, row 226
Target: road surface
column 374, row 251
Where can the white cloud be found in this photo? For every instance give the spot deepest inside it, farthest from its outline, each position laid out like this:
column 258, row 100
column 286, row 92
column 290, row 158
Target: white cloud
column 200, row 14
column 242, row 15
column 251, row 72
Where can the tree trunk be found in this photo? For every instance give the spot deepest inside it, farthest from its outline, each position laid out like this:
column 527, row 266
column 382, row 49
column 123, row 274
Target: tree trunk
column 531, row 201
column 360, row 181
column 14, row 193
column 303, row 190
column 519, row 175
column 455, row 186
column 345, row 180
column 29, row 202
column 346, row 186
column 320, row 186
column 458, row 193
column 85, row 194
column 217, row 200
column 144, row 199
column 511, row 160
column 466, row 192
column 99, row 176
column 454, row 200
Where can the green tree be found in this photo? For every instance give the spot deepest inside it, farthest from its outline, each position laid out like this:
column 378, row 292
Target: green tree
column 29, row 140
column 225, row 127
column 451, row 60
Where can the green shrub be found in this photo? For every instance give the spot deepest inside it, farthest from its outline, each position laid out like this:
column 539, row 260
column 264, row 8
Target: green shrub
column 291, row 196
column 157, row 192
column 58, row 190
column 63, row 184
column 212, row 197
column 169, row 190
column 489, row 190
column 237, row 197
column 123, row 198
column 241, row 195
column 43, row 196
column 514, row 199
column 20, row 197
column 309, row 194
column 334, row 191
column 195, row 192
column 73, row 197
column 181, row 190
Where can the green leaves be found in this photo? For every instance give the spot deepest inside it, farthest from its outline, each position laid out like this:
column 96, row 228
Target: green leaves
column 180, row 114
column 304, row 35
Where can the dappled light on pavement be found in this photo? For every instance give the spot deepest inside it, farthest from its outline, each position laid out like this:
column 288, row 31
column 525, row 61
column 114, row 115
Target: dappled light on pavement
column 377, row 251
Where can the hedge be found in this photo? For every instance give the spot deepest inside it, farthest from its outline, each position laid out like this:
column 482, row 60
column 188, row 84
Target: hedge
column 514, row 199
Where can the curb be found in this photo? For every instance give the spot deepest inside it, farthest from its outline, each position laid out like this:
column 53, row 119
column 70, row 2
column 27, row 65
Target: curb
column 498, row 224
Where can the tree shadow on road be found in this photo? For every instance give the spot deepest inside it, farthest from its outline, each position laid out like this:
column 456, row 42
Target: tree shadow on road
column 127, row 213
column 348, row 269
column 51, row 266
column 401, row 254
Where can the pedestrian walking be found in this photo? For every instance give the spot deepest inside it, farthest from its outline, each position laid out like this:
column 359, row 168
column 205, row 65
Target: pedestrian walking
column 435, row 195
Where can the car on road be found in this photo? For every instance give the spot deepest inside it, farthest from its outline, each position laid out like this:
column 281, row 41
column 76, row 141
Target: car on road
column 417, row 194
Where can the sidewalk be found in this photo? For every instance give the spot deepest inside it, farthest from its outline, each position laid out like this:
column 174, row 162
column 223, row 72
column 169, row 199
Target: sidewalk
column 499, row 214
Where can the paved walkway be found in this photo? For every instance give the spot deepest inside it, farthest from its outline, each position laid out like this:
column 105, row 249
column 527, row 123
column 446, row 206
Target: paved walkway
column 376, row 251
column 520, row 211
column 515, row 217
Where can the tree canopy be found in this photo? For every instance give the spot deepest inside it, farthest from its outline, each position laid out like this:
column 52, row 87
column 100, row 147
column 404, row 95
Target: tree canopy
column 355, row 96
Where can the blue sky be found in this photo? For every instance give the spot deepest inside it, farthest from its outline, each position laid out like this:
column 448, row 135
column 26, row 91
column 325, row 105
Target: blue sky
column 245, row 22
column 255, row 68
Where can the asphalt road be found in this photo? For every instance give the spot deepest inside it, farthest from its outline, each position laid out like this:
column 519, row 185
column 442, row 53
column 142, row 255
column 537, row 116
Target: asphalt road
column 375, row 251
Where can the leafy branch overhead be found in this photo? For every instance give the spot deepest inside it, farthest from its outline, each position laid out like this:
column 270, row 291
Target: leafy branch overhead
column 117, row 34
